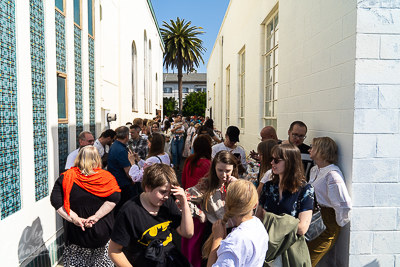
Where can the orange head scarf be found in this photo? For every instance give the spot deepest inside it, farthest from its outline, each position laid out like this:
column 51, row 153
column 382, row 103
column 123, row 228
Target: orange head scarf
column 101, row 184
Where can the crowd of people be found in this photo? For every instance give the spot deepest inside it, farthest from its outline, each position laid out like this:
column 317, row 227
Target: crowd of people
column 120, row 196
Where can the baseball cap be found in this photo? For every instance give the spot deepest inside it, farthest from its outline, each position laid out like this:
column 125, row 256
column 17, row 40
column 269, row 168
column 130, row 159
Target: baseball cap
column 233, row 132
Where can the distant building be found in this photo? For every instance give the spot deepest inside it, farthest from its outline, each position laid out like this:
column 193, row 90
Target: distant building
column 335, row 66
column 192, row 82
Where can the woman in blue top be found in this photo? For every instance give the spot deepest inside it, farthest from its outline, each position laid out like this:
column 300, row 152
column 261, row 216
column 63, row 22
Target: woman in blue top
column 288, row 191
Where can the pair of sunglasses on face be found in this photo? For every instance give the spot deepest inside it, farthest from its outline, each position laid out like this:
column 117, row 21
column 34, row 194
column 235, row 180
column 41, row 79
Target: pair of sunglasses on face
column 275, row 160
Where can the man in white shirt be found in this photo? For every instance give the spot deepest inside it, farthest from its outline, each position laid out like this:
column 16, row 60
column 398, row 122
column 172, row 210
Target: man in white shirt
column 103, row 144
column 85, row 138
column 231, row 138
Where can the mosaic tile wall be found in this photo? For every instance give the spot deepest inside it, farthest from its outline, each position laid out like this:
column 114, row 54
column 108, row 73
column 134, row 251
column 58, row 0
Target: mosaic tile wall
column 38, row 74
column 92, row 106
column 60, row 43
column 62, row 145
column 50, row 255
column 78, row 82
column 61, row 67
column 10, row 195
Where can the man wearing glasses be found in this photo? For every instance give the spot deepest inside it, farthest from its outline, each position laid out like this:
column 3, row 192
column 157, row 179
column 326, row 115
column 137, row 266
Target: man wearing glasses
column 297, row 134
column 85, row 138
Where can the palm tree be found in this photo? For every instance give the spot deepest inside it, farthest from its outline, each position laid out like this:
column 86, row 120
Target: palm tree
column 182, row 48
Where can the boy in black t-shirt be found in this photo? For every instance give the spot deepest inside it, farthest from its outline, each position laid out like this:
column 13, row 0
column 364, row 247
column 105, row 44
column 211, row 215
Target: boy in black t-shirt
column 144, row 222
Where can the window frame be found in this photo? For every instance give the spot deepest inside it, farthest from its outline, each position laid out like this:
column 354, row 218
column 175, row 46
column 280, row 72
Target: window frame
column 63, row 120
column 242, row 88
column 134, row 78
column 62, row 12
column 271, row 88
column 93, row 16
column 80, row 14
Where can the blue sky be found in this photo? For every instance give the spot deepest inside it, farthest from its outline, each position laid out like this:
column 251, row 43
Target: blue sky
column 203, row 13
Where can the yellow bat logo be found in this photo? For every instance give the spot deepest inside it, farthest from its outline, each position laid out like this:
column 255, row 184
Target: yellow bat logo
column 153, row 231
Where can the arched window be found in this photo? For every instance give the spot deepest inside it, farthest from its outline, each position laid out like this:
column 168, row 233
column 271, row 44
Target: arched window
column 150, row 82
column 134, row 77
column 145, row 74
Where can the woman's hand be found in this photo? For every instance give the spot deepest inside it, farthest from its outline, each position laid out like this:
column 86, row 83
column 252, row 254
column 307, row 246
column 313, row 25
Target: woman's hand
column 179, row 193
column 91, row 221
column 231, row 179
column 131, row 157
column 78, row 221
column 219, row 230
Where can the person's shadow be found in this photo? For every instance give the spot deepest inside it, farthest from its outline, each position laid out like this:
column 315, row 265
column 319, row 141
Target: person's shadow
column 31, row 247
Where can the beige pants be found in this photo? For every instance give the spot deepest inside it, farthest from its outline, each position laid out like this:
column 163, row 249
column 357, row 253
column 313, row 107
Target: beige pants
column 322, row 244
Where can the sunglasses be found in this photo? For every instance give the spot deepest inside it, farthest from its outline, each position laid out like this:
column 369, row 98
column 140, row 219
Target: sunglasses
column 276, row 160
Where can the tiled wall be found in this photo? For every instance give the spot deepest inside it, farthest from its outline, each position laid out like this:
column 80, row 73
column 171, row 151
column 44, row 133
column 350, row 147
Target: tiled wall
column 60, row 42
column 38, row 74
column 78, row 82
column 49, row 255
column 9, row 155
column 62, row 145
column 61, row 67
column 91, row 88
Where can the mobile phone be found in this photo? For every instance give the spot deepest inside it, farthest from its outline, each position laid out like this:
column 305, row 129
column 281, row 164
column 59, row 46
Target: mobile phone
column 236, row 155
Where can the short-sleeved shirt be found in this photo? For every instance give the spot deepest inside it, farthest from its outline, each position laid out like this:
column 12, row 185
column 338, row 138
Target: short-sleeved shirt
column 269, row 199
column 245, row 246
column 85, row 205
column 135, row 228
column 117, row 161
column 71, row 159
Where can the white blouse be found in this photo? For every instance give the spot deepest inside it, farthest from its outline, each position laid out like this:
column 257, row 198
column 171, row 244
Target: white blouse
column 267, row 176
column 331, row 191
column 136, row 171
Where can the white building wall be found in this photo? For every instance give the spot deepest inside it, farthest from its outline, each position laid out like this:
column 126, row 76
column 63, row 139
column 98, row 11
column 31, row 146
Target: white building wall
column 338, row 72
column 36, row 225
column 134, row 18
column 375, row 227
column 241, row 28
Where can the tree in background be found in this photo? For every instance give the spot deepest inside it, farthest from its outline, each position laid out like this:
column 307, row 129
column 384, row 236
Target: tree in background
column 195, row 104
column 169, row 105
column 183, row 49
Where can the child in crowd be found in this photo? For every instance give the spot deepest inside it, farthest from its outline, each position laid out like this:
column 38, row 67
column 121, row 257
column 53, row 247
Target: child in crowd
column 247, row 244
column 142, row 233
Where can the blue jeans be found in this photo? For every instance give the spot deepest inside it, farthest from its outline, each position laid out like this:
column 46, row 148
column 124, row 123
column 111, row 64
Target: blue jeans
column 176, row 150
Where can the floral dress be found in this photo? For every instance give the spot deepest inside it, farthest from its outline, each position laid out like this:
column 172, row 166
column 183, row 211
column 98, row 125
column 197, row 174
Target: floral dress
column 291, row 203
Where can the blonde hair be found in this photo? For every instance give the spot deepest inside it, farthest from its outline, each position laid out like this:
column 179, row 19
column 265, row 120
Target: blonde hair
column 325, row 148
column 88, row 159
column 241, row 198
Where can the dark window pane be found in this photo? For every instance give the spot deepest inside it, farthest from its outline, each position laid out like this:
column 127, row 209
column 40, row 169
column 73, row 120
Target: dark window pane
column 77, row 12
column 62, row 108
column 90, row 17
column 185, row 90
column 60, row 5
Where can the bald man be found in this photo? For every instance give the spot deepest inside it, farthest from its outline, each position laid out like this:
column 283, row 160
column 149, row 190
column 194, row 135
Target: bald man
column 268, row 132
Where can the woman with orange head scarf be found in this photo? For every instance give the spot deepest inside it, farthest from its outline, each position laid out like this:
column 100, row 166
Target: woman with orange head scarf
column 85, row 196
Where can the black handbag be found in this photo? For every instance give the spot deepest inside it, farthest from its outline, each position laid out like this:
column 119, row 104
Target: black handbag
column 317, row 225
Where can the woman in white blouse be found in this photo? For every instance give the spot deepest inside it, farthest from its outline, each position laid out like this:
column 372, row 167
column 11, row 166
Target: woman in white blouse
column 331, row 194
column 156, row 154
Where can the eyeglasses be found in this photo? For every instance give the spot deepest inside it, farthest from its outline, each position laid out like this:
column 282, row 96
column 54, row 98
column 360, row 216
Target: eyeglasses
column 296, row 136
column 276, row 160
column 90, row 141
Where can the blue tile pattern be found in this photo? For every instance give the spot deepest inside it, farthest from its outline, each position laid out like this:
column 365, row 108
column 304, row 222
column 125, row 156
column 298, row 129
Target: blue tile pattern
column 78, row 82
column 38, row 74
column 92, row 105
column 60, row 43
column 10, row 195
column 62, row 145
